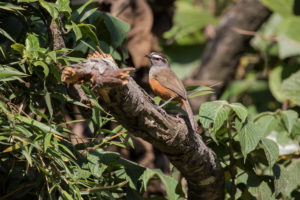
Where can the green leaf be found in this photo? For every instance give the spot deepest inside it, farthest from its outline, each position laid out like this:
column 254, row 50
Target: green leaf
column 188, row 19
column 267, row 122
column 18, row 47
column 268, row 29
column 27, row 156
column 37, row 124
column 289, row 39
column 289, row 117
column 47, row 141
column 51, row 8
column 213, row 114
column 9, row 72
column 284, row 8
column 271, row 150
column 64, row 6
column 118, row 29
column 5, row 34
column 87, row 31
column 170, row 185
column 44, row 65
column 32, row 42
column 87, row 14
column 48, row 103
column 77, row 31
column 249, row 135
column 286, row 178
column 240, row 110
column 263, row 192
column 275, row 83
column 81, row 8
column 198, row 91
column 66, row 195
column 291, row 87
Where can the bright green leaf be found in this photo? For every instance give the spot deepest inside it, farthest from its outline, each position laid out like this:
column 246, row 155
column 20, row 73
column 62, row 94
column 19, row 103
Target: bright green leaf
column 213, row 114
column 47, row 141
column 51, row 8
column 48, row 103
column 87, row 31
column 18, row 47
column 249, row 135
column 283, row 7
column 289, row 118
column 286, row 178
column 271, row 150
column 291, row 87
column 289, row 38
column 240, row 110
column 77, row 31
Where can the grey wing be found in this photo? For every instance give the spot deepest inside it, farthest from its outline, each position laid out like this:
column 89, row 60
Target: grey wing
column 172, row 83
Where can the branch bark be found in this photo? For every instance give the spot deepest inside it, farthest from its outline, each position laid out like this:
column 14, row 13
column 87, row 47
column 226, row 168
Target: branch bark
column 138, row 113
column 222, row 54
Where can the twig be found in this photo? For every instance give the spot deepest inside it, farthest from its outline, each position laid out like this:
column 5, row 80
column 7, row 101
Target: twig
column 109, row 139
column 106, row 187
column 273, row 38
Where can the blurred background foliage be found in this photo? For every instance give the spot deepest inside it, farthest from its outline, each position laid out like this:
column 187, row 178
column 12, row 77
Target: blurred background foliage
column 254, row 128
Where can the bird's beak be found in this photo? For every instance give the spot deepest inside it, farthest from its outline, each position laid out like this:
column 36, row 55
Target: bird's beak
column 148, row 56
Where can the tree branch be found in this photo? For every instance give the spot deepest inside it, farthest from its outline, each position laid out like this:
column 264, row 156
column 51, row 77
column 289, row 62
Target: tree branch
column 222, row 54
column 137, row 112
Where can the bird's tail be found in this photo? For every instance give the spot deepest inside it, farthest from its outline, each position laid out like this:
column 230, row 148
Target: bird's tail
column 189, row 111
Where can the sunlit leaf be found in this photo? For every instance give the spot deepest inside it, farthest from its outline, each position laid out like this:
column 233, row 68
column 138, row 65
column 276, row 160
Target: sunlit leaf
column 249, row 135
column 291, row 87
column 271, row 150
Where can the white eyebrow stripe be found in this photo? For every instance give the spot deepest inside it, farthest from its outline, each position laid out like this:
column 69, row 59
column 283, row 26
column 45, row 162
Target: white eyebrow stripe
column 156, row 56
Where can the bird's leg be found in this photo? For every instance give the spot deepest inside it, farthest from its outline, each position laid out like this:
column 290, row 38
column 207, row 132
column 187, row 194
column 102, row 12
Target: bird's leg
column 168, row 101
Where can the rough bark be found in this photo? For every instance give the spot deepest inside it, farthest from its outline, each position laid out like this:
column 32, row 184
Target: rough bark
column 138, row 113
column 222, row 54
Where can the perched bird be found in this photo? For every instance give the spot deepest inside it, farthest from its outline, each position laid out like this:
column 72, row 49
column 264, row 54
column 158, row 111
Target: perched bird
column 167, row 85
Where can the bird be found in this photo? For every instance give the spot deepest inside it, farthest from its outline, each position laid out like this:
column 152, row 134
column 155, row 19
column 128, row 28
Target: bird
column 165, row 84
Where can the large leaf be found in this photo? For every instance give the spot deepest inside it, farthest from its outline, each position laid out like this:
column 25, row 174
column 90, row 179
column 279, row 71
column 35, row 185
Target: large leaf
column 289, row 117
column 240, row 110
column 117, row 28
column 289, row 38
column 267, row 123
column 283, row 7
column 213, row 115
column 286, row 178
column 291, row 87
column 249, row 135
column 271, row 150
column 51, row 8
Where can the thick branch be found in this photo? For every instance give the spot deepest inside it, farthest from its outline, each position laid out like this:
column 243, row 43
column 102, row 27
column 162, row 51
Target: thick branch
column 137, row 112
column 222, row 54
